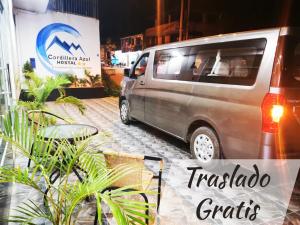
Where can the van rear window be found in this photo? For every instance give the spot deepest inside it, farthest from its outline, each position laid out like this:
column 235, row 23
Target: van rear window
column 235, row 63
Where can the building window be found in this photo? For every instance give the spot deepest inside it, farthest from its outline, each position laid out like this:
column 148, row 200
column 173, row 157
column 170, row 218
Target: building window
column 154, row 40
column 174, row 37
column 81, row 7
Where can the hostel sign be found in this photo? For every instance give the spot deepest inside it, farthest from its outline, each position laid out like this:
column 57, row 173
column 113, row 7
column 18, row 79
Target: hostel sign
column 59, row 43
column 55, row 53
column 67, row 60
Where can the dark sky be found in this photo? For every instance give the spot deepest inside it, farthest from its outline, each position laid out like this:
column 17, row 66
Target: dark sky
column 120, row 18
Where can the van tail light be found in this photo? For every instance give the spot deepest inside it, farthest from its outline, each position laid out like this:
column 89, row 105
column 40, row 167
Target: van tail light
column 273, row 108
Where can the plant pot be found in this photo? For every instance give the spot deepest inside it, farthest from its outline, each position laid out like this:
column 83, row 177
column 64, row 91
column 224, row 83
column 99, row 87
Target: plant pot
column 81, row 93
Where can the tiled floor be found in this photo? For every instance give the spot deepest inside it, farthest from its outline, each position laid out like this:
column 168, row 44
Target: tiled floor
column 136, row 138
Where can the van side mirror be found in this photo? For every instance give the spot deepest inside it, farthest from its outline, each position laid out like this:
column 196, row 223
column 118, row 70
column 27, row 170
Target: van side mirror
column 126, row 72
column 133, row 76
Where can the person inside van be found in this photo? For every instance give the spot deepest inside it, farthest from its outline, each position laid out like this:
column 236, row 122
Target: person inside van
column 141, row 68
column 203, row 65
column 221, row 66
column 198, row 65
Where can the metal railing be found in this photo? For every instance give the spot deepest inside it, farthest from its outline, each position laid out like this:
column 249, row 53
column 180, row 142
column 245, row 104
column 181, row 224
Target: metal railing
column 88, row 8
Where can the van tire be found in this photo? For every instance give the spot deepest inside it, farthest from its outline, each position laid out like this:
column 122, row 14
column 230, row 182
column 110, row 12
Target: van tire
column 204, row 145
column 124, row 112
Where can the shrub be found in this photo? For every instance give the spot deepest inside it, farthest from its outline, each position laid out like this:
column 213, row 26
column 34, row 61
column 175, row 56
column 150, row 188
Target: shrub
column 110, row 87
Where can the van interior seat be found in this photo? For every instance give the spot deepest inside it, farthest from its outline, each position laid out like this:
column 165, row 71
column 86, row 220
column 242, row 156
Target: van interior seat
column 221, row 68
column 239, row 68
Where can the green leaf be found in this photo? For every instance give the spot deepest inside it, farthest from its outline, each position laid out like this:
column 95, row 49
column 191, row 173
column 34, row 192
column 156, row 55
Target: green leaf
column 72, row 101
column 65, row 195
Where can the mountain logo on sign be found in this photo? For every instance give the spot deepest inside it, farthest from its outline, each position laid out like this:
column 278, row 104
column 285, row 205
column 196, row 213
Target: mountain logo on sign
column 45, row 36
column 64, row 45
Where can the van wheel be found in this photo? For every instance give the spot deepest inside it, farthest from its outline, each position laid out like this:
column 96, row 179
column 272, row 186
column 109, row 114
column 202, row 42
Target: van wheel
column 124, row 112
column 205, row 145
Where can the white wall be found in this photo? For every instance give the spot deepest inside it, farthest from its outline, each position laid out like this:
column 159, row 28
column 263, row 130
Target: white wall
column 75, row 41
column 127, row 58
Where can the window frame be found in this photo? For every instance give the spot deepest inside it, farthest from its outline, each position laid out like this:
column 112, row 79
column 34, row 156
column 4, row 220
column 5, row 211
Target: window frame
column 132, row 71
column 183, row 66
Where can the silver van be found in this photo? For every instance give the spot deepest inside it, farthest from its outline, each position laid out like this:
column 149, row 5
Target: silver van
column 235, row 96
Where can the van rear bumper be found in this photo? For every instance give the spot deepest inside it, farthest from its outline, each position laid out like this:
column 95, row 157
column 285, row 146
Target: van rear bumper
column 268, row 146
column 273, row 148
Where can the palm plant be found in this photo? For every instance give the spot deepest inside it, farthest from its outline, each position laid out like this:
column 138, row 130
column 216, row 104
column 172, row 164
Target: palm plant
column 65, row 196
column 40, row 89
column 93, row 81
column 82, row 82
column 110, row 87
column 27, row 68
column 74, row 81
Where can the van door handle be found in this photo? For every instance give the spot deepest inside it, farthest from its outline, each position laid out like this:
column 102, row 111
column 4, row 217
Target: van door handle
column 142, row 82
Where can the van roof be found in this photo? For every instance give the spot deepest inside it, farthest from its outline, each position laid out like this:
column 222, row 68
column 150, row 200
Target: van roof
column 225, row 37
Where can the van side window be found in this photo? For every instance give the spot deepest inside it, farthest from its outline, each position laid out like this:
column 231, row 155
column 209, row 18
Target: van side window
column 227, row 63
column 201, row 63
column 141, row 66
column 169, row 64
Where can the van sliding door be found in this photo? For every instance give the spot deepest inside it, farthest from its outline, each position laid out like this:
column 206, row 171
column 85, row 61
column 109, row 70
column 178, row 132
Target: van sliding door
column 166, row 98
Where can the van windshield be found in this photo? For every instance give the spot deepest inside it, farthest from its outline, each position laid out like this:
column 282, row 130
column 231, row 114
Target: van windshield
column 291, row 76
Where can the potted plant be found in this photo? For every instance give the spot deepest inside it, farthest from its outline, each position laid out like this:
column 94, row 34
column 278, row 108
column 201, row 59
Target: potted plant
column 65, row 197
column 39, row 90
column 89, row 86
column 110, row 87
column 93, row 81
